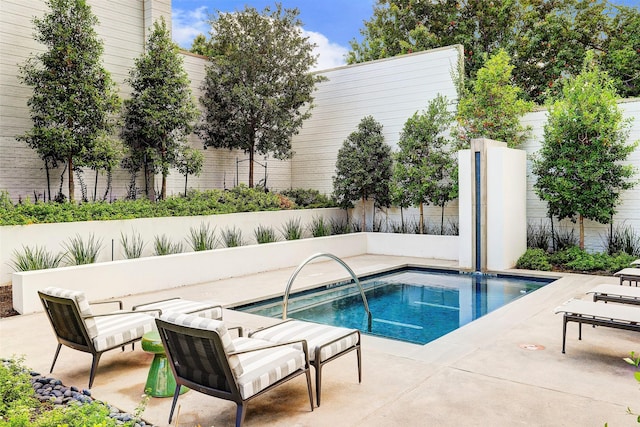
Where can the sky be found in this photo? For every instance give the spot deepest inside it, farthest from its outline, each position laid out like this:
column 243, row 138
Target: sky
column 330, row 24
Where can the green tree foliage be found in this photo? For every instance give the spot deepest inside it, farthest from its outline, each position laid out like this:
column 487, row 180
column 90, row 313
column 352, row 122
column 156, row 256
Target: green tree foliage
column 425, row 167
column 258, row 88
column 189, row 162
column 73, row 97
column 201, row 46
column 161, row 112
column 547, row 39
column 493, row 107
column 579, row 166
column 363, row 168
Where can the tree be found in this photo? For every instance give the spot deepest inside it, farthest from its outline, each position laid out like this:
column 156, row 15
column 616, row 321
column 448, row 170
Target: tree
column 425, row 166
column 201, row 46
column 73, row 97
column 363, row 168
column 547, row 39
column 493, row 107
column 579, row 166
column 161, row 111
column 258, row 87
column 189, row 162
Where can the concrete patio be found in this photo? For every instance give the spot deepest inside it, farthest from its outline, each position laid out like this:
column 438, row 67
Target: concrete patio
column 484, row 374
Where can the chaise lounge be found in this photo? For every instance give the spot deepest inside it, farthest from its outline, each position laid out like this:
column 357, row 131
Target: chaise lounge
column 205, row 358
column 592, row 313
column 616, row 293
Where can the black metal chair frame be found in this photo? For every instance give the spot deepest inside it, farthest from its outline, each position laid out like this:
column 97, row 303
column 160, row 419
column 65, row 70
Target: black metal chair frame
column 219, row 360
column 70, row 329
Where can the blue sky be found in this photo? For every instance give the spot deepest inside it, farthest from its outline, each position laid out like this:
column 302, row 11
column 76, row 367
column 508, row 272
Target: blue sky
column 330, row 24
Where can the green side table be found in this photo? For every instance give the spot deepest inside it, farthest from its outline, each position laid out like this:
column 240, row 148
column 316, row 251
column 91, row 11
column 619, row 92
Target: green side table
column 160, row 381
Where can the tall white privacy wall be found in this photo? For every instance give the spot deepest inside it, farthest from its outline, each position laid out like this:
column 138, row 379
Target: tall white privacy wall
column 492, row 205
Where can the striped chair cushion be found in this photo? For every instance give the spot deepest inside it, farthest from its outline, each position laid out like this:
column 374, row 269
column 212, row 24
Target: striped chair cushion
column 81, row 302
column 261, row 368
column 119, row 329
column 315, row 334
column 198, row 322
column 179, row 305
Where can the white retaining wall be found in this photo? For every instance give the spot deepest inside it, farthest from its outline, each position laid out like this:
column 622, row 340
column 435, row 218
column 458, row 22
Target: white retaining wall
column 177, row 229
column 121, row 278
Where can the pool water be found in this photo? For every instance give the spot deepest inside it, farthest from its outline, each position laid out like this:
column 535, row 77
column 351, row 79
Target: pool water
column 417, row 306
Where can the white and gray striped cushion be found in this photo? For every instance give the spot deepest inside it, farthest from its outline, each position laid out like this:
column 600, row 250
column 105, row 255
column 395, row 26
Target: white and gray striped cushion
column 261, row 368
column 198, row 322
column 121, row 328
column 315, row 334
column 81, row 302
column 179, row 305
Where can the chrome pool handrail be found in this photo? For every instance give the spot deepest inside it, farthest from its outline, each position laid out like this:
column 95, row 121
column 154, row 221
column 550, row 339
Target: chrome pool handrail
column 285, row 301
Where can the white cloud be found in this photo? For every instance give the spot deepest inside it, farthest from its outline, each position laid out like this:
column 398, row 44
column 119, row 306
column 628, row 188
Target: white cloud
column 331, row 55
column 186, row 24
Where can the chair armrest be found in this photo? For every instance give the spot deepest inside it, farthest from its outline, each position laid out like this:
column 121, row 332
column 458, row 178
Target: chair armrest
column 118, row 313
column 153, row 302
column 270, row 326
column 239, row 328
column 108, row 302
column 264, row 347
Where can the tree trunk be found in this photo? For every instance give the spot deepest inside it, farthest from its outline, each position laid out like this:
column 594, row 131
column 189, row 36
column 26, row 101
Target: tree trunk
column 442, row 219
column 402, row 219
column 151, row 189
column 186, row 176
column 364, row 214
column 251, row 168
column 163, row 192
column 95, row 187
column 421, row 225
column 72, row 186
column 581, row 219
column 46, row 168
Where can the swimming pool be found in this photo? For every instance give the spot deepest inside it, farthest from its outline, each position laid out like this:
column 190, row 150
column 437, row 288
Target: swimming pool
column 414, row 305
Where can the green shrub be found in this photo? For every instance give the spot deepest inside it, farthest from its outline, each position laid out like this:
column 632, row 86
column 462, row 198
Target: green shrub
column 163, row 246
column 265, row 234
column 566, row 255
column 202, row 238
column 588, row 262
column 534, row 259
column 17, row 398
column 308, row 198
column 35, row 259
column 80, row 252
column 292, row 229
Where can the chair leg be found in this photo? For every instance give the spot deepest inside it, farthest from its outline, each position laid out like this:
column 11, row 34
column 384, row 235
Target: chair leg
column 318, row 367
column 55, row 357
column 564, row 333
column 241, row 410
column 309, row 389
column 176, row 394
column 94, row 368
column 359, row 354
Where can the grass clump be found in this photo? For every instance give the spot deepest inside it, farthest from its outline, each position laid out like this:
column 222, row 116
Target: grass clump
column 292, row 229
column 202, row 238
column 162, row 245
column 319, row 227
column 80, row 252
column 232, row 237
column 132, row 246
column 265, row 234
column 37, row 258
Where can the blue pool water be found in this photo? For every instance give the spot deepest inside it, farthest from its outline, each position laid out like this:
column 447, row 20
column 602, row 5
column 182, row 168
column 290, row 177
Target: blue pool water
column 412, row 305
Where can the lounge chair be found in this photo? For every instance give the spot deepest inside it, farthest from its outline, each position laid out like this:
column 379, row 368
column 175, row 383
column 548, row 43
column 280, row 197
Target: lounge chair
column 326, row 343
column 205, row 358
column 75, row 325
column 616, row 293
column 593, row 313
column 631, row 275
column 178, row 305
